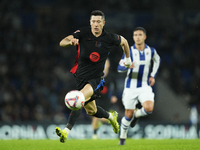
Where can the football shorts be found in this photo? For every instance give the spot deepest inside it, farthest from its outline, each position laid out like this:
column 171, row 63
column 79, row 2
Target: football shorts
column 131, row 97
column 97, row 85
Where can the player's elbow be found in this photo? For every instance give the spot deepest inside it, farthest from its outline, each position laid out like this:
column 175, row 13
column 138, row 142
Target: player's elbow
column 123, row 41
column 66, row 41
column 62, row 44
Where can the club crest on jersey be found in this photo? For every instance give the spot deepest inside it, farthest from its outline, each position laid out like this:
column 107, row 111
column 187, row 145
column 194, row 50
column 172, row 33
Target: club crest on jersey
column 94, row 56
column 98, row 44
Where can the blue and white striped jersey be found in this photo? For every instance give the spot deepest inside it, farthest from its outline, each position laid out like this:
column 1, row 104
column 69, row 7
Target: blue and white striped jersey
column 139, row 75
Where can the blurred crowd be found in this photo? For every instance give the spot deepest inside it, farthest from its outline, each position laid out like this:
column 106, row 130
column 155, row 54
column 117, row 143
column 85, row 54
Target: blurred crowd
column 34, row 70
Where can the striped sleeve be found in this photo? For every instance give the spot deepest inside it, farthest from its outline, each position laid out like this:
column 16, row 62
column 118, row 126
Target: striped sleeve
column 156, row 62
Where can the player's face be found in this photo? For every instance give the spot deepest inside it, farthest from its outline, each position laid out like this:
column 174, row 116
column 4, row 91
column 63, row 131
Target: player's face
column 139, row 37
column 97, row 24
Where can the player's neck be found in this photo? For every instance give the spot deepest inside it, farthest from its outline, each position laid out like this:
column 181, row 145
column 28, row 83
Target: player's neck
column 96, row 34
column 140, row 47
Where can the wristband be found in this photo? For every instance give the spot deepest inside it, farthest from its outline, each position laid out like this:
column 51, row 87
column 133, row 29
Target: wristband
column 128, row 61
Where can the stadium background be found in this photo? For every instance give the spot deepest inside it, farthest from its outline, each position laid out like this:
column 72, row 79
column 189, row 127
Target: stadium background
column 34, row 70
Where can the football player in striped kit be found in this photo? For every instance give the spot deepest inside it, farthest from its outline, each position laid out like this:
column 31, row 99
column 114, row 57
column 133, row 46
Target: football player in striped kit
column 138, row 82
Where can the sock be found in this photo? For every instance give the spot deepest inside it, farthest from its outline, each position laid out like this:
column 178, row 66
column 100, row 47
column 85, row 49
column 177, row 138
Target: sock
column 67, row 130
column 95, row 131
column 125, row 123
column 110, row 116
column 72, row 118
column 101, row 113
column 141, row 112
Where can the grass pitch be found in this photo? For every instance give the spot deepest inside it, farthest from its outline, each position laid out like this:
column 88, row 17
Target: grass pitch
column 131, row 144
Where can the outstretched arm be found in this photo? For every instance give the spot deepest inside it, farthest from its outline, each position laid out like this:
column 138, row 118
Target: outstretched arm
column 125, row 47
column 68, row 41
column 156, row 65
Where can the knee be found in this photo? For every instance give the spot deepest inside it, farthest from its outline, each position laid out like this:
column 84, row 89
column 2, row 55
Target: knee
column 148, row 109
column 148, row 106
column 129, row 113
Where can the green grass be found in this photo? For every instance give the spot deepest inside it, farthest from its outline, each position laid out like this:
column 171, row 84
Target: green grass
column 131, row 144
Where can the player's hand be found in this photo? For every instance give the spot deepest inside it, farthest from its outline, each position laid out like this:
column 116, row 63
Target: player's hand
column 151, row 81
column 131, row 66
column 74, row 41
column 128, row 63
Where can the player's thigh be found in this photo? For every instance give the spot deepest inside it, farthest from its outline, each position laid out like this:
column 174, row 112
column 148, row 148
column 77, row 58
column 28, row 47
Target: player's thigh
column 129, row 99
column 91, row 108
column 146, row 94
column 92, row 89
column 87, row 91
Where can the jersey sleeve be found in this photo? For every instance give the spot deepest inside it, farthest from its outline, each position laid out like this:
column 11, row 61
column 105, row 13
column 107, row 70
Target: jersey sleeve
column 78, row 33
column 116, row 39
column 156, row 64
column 121, row 67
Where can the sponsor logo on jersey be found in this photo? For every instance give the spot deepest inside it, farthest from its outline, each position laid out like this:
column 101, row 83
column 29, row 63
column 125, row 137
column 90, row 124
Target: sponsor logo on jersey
column 94, row 56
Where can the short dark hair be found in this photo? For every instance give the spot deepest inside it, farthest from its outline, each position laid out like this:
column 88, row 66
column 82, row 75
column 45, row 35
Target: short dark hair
column 140, row 28
column 97, row 13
